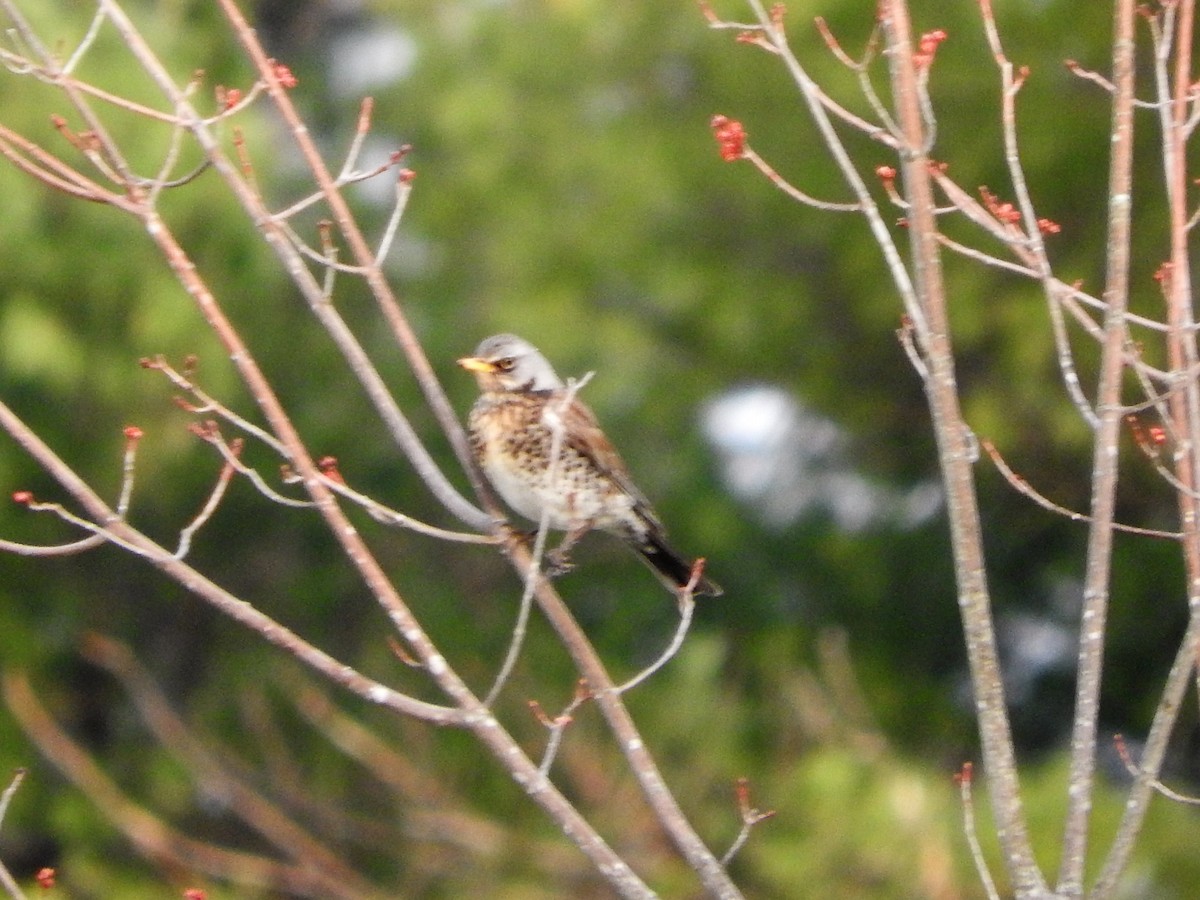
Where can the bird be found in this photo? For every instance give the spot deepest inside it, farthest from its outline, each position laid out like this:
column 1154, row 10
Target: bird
column 544, row 452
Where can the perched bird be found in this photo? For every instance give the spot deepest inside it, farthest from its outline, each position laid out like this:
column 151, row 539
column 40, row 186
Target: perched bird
column 512, row 429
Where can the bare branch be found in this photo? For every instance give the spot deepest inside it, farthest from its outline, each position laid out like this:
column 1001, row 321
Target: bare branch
column 152, row 836
column 795, row 193
column 1041, row 500
column 1104, row 463
column 687, row 605
column 330, row 875
column 117, row 530
column 955, row 458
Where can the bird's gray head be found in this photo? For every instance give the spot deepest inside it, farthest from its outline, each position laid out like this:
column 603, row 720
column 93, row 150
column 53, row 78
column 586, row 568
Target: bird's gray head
column 505, row 362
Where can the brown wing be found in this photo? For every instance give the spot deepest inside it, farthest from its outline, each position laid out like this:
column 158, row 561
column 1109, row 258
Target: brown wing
column 584, row 435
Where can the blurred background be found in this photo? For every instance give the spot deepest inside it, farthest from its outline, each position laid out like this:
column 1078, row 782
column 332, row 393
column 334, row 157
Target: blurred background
column 568, row 189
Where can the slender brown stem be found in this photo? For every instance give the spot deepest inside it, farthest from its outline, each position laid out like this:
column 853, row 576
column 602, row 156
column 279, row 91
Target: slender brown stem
column 641, row 761
column 1081, row 779
column 955, row 457
column 1032, row 236
column 235, row 608
column 154, row 837
column 1153, row 754
column 1185, row 419
column 814, row 100
column 657, row 793
column 326, row 867
column 372, row 273
column 138, row 198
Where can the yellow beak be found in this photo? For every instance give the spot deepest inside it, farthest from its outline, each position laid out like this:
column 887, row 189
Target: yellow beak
column 475, row 364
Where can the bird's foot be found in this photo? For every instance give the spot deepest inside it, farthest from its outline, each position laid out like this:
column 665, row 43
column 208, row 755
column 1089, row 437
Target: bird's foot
column 558, row 563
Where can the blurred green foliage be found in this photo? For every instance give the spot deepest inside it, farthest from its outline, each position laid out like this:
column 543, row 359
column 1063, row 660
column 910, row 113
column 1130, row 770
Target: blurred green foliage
column 568, row 189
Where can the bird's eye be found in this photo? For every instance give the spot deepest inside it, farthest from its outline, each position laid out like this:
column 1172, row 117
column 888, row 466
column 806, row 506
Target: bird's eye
column 506, row 364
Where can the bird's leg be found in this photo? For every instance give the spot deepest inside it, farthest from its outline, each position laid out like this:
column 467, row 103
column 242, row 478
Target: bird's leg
column 525, row 535
column 557, row 560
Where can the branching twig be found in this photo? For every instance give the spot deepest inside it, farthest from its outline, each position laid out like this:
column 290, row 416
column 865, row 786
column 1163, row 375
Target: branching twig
column 153, row 837
column 1136, row 771
column 553, row 420
column 749, row 816
column 325, row 867
column 557, row 725
column 237, row 173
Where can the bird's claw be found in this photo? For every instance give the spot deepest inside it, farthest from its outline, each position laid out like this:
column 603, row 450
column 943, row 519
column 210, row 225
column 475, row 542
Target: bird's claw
column 558, row 563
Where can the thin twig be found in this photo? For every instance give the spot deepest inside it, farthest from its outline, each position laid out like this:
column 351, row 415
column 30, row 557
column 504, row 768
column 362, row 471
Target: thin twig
column 1097, row 578
column 206, row 512
column 6, row 879
column 10, row 792
column 792, row 191
column 69, row 549
column 750, row 817
column 1086, row 74
column 208, row 404
column 554, row 420
column 212, row 436
column 381, row 290
column 814, row 99
column 1136, row 771
column 237, row 609
column 1041, row 500
column 329, row 873
column 687, row 605
column 557, row 726
column 861, row 70
column 964, row 778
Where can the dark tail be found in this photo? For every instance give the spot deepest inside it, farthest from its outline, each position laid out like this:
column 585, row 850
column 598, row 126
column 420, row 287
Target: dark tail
column 673, row 569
